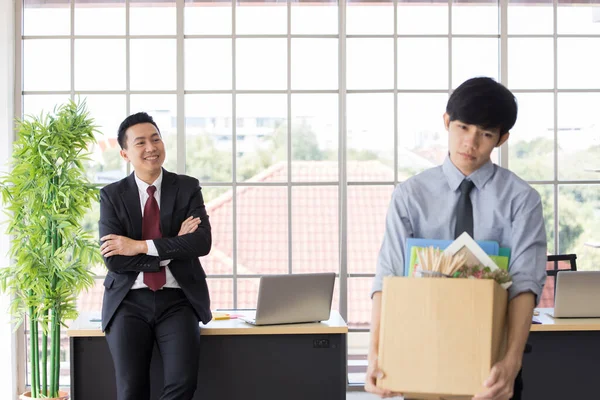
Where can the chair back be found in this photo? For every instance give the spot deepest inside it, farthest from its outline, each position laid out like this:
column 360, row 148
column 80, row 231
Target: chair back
column 556, row 263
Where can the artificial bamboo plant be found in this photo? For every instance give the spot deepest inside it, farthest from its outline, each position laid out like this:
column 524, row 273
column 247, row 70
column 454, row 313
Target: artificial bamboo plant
column 46, row 194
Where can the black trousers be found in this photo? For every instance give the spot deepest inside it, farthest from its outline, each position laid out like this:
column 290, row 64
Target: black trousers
column 518, row 390
column 145, row 318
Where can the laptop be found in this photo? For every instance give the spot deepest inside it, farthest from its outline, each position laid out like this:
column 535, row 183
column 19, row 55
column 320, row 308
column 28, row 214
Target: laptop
column 297, row 298
column 577, row 294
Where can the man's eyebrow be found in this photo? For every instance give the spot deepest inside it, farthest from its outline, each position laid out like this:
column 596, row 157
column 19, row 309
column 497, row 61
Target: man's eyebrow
column 143, row 137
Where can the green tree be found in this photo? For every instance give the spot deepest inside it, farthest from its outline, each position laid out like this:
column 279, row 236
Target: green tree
column 111, row 160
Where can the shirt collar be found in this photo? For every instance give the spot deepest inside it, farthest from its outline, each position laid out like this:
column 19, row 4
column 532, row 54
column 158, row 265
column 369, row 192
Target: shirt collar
column 455, row 177
column 143, row 186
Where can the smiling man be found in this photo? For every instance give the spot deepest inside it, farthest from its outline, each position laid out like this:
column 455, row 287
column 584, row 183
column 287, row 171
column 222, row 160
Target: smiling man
column 470, row 193
column 153, row 227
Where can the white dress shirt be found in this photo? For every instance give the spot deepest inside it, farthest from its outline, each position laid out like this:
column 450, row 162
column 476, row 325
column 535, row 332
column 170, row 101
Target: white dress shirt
column 142, row 190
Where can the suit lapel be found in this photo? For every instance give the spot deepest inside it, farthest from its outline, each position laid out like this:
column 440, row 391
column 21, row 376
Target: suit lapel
column 168, row 194
column 131, row 199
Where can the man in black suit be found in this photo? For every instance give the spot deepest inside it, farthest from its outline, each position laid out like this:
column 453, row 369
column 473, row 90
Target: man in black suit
column 153, row 227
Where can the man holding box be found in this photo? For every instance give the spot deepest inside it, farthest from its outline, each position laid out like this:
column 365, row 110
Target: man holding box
column 468, row 193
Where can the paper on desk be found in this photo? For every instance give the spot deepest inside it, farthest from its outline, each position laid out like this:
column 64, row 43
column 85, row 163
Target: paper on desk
column 218, row 315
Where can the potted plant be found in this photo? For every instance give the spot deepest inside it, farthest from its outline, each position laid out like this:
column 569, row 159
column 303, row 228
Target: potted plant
column 46, row 193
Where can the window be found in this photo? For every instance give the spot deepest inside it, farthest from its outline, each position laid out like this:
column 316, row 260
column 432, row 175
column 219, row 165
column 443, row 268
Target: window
column 299, row 131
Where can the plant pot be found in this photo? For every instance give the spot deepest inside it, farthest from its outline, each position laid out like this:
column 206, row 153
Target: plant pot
column 62, row 395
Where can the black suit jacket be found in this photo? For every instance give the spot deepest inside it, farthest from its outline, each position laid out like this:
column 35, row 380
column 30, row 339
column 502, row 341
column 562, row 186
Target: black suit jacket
column 121, row 214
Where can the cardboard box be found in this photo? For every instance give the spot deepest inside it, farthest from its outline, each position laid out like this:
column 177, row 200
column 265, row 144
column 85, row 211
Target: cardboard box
column 440, row 337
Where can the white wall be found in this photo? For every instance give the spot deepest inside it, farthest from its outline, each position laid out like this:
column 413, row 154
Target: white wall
column 8, row 365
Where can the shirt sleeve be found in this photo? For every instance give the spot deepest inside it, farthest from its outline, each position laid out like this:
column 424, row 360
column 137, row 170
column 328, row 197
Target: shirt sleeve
column 397, row 228
column 153, row 252
column 529, row 248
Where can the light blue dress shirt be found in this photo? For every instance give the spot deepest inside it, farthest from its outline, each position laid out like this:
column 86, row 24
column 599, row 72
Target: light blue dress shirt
column 506, row 209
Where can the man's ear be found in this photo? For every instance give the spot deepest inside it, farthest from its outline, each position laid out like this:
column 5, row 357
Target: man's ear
column 503, row 138
column 447, row 121
column 123, row 154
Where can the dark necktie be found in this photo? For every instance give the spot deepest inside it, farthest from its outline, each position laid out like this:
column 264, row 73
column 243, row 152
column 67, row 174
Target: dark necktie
column 151, row 230
column 464, row 210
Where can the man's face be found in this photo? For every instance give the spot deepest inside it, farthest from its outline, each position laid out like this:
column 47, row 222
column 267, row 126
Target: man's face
column 145, row 150
column 470, row 146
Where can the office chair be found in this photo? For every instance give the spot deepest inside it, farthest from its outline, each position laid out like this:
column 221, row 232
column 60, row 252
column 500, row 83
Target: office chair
column 572, row 258
column 557, row 264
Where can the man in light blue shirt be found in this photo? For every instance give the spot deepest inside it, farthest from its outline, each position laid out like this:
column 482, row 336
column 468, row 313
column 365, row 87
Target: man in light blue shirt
column 506, row 209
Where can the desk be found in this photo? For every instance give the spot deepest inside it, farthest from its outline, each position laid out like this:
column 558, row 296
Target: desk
column 564, row 360
column 237, row 361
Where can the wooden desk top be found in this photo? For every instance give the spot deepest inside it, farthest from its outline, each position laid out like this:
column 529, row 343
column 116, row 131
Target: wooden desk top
column 549, row 323
column 83, row 327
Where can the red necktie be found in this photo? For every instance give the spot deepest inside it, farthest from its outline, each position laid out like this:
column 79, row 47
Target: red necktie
column 151, row 230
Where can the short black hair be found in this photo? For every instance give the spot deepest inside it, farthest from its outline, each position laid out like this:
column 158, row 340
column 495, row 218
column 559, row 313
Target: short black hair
column 483, row 102
column 134, row 119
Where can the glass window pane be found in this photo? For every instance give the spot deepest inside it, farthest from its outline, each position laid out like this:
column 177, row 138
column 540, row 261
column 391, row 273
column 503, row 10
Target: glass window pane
column 365, row 18
column 154, row 17
column 44, row 18
column 261, row 64
column 530, row 63
column 422, row 18
column 531, row 142
column 261, row 138
column 208, row 64
column 315, row 137
column 480, row 17
column 208, row 143
column 314, row 64
column 207, row 17
column 262, row 227
column 219, row 207
column 579, row 224
column 367, row 208
column 163, row 108
column 314, row 18
column 578, row 17
column 358, row 349
column 91, row 300
column 34, row 104
column 359, row 302
column 247, row 292
column 578, row 63
column 221, row 292
column 106, row 164
column 47, row 64
column 578, row 136
column 315, row 245
column 466, row 66
column 422, row 63
column 529, row 18
column 370, row 64
column 99, row 64
column 261, row 17
column 370, row 137
column 149, row 71
column 101, row 17
column 547, row 194
column 422, row 138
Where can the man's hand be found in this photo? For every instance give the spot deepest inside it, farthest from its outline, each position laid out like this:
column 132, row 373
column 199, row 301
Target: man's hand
column 500, row 384
column 189, row 226
column 374, row 373
column 116, row 245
